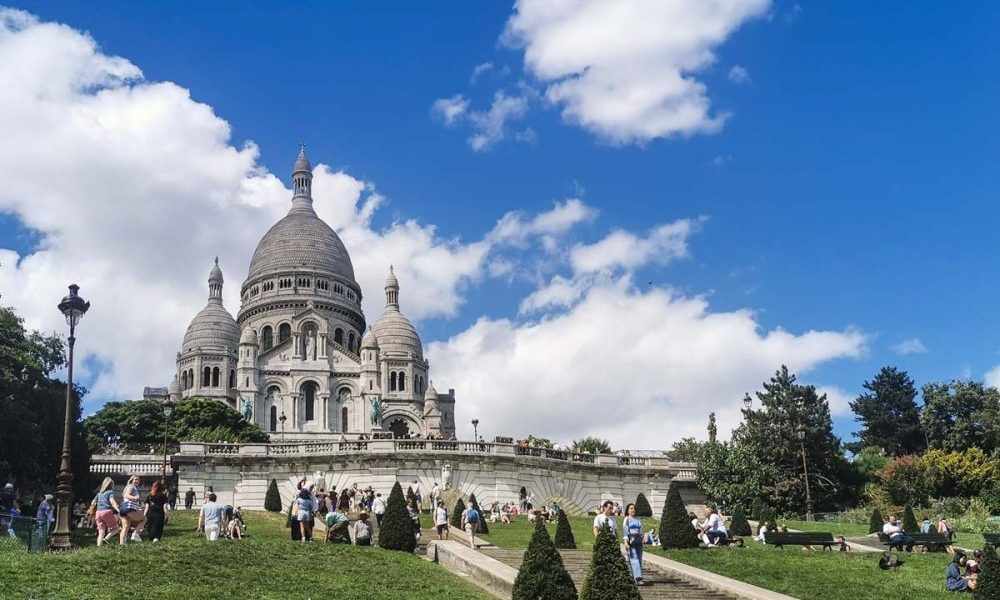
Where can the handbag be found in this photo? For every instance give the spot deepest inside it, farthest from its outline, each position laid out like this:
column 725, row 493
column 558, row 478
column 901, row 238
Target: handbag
column 92, row 509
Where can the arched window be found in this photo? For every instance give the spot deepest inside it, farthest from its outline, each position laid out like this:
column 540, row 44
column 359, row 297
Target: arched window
column 350, row 342
column 266, row 338
column 402, row 381
column 371, row 385
column 338, row 336
column 416, row 384
column 309, row 393
column 206, row 377
column 232, row 378
column 344, row 395
column 190, row 378
column 184, row 380
column 343, row 420
column 392, row 381
column 284, row 332
column 215, row 377
column 274, row 418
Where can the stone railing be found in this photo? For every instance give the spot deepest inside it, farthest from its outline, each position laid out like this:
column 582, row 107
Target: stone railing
column 128, row 464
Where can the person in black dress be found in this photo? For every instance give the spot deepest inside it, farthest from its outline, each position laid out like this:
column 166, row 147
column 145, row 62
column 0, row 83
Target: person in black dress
column 155, row 513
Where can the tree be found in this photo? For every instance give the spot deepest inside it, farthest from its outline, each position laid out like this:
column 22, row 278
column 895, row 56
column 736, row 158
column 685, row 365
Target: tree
column 755, row 508
column 767, row 516
column 888, row 414
column 988, row 582
column 642, row 507
column 396, row 531
column 456, row 515
column 591, row 444
column 272, row 499
column 713, row 429
column 676, row 530
column 740, row 525
column 686, row 450
column 540, row 442
column 564, row 533
column 609, row 576
column 961, row 414
column 542, row 575
column 483, row 527
column 905, row 481
column 910, row 520
column 875, row 523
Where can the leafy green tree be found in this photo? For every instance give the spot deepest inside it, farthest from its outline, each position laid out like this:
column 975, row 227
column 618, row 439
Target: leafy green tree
column 396, row 531
column 961, row 414
column 888, row 414
column 483, row 527
column 733, row 471
column 905, row 481
column 609, row 576
column 456, row 515
column 591, row 444
column 740, row 525
column 642, row 507
column 869, row 462
column 676, row 530
column 540, row 442
column 713, row 429
column 767, row 516
column 272, row 499
column 876, row 522
column 686, row 450
column 564, row 533
column 542, row 575
column 910, row 520
column 755, row 508
column 988, row 582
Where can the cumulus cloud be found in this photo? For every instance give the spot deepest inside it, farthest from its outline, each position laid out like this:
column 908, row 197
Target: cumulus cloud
column 451, row 109
column 491, row 125
column 992, row 377
column 624, row 249
column 624, row 70
column 479, row 70
column 910, row 346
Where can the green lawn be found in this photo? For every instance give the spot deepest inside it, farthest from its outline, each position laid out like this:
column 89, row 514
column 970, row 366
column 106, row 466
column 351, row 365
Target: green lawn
column 267, row 564
column 518, row 533
column 971, row 541
column 822, row 575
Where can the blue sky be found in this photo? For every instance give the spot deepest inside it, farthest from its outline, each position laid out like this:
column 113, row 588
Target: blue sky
column 850, row 188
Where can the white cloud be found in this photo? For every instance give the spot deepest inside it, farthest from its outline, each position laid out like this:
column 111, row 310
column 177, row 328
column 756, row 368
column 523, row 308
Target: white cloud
column 910, row 346
column 479, row 70
column 451, row 109
column 624, row 70
column 491, row 125
column 738, row 74
column 838, row 399
column 992, row 377
column 512, row 228
column 722, row 159
column 623, row 249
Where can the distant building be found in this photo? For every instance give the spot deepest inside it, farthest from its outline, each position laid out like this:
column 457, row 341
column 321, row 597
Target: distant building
column 298, row 347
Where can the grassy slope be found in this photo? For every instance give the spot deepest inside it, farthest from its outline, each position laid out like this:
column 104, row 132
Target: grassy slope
column 518, row 533
column 970, row 541
column 267, row 564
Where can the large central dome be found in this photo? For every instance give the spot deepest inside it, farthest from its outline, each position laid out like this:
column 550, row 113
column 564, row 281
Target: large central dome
column 301, row 240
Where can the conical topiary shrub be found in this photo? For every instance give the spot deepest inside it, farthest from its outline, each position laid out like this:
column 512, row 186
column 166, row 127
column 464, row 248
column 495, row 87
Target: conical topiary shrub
column 988, row 582
column 272, row 499
column 483, row 528
column 676, row 530
column 740, row 525
column 456, row 515
column 564, row 533
column 609, row 576
column 755, row 509
column 396, row 531
column 909, row 520
column 767, row 516
column 642, row 507
column 411, row 497
column 876, row 523
column 542, row 575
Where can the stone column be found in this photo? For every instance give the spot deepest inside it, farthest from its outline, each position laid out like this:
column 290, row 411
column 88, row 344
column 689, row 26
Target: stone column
column 325, row 402
column 296, row 346
column 321, row 351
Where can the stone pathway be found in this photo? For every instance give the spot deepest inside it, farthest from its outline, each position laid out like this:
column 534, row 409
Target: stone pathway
column 659, row 585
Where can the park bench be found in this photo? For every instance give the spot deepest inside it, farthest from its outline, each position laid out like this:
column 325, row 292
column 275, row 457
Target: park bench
column 992, row 539
column 930, row 541
column 801, row 538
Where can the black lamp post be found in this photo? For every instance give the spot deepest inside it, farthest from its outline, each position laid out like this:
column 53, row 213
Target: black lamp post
column 73, row 307
column 168, row 409
column 747, row 401
column 282, row 419
column 475, row 429
column 805, row 472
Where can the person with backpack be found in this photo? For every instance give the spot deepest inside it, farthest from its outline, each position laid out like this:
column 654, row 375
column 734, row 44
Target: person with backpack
column 470, row 523
column 363, row 531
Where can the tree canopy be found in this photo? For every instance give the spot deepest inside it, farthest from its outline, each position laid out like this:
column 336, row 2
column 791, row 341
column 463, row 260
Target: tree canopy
column 961, row 414
column 888, row 413
column 594, row 445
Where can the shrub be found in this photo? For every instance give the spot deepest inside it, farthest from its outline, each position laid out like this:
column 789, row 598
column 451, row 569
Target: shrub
column 767, row 516
column 991, row 496
column 564, row 533
column 976, row 518
column 396, row 532
column 906, row 481
column 876, row 523
column 609, row 576
column 675, row 526
column 456, row 515
column 411, row 498
column 483, row 529
column 988, row 582
column 755, row 509
column 909, row 520
column 642, row 507
column 272, row 499
column 542, row 575
column 740, row 525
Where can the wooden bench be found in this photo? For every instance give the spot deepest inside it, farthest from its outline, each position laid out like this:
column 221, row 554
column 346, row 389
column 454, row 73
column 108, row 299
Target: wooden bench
column 801, row 538
column 992, row 539
column 930, row 541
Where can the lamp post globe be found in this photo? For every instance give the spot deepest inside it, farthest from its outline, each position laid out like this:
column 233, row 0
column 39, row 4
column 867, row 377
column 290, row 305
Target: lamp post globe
column 168, row 409
column 73, row 307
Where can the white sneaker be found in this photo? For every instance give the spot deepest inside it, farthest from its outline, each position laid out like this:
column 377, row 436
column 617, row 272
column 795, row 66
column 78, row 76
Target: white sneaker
column 136, row 537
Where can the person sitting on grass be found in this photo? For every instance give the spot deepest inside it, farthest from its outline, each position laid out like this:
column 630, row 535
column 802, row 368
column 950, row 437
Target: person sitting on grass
column 844, row 546
column 954, row 581
column 651, row 539
column 764, row 528
column 337, row 527
column 714, row 529
column 896, row 534
column 236, row 525
column 363, row 531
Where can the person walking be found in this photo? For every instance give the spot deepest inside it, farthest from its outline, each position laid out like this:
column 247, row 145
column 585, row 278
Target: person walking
column 606, row 518
column 632, row 530
column 210, row 518
column 378, row 507
column 156, row 515
column 106, row 506
column 172, row 497
column 304, row 510
column 470, row 523
column 130, row 512
column 441, row 520
column 189, row 499
column 363, row 531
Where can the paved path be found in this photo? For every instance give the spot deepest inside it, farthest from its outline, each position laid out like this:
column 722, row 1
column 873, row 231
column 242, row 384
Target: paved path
column 659, row 585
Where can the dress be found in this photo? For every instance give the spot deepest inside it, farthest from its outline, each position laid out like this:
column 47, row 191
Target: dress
column 155, row 515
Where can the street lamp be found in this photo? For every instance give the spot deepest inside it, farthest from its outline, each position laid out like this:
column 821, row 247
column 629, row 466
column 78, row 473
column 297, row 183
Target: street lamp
column 73, row 307
column 168, row 409
column 282, row 420
column 747, row 401
column 475, row 429
column 805, row 472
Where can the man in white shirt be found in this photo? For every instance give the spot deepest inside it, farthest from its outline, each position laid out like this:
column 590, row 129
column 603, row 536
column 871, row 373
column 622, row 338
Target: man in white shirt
column 378, row 507
column 435, row 494
column 210, row 518
column 606, row 518
column 441, row 521
column 896, row 534
column 714, row 528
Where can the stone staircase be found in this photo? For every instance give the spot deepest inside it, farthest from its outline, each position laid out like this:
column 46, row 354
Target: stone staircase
column 659, row 585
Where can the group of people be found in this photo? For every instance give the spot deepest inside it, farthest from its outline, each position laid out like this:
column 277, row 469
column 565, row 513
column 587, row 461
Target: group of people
column 898, row 536
column 312, row 502
column 12, row 506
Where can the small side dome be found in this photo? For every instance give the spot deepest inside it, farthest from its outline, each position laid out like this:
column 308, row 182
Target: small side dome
column 249, row 337
column 430, row 393
column 369, row 342
column 175, row 387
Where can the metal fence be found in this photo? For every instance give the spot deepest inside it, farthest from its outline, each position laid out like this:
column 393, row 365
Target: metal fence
column 22, row 534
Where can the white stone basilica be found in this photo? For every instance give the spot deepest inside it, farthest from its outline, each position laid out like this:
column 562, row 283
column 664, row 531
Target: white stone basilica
column 296, row 359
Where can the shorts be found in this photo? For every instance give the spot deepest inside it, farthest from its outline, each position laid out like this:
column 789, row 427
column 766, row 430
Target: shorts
column 303, row 515
column 106, row 519
column 471, row 528
column 212, row 532
column 442, row 528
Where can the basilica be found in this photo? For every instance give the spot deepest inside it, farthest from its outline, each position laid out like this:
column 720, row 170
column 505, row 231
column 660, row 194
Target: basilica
column 297, row 359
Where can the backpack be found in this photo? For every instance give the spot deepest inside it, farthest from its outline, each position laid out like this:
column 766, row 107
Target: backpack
column 472, row 516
